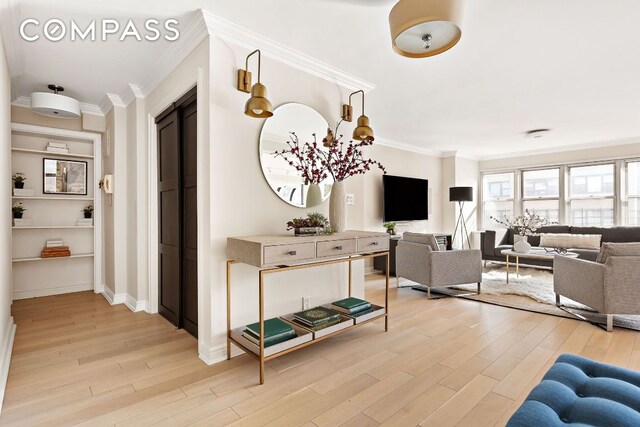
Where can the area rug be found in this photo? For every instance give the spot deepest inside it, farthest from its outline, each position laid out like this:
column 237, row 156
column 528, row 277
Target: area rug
column 531, row 290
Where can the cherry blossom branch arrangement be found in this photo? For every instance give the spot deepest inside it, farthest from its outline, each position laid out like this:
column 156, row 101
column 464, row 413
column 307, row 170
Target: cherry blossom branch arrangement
column 339, row 159
column 525, row 225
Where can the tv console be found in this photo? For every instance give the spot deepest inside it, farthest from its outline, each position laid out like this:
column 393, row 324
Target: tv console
column 445, row 242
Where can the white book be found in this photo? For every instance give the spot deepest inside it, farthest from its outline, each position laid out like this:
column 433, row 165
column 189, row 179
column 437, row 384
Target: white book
column 23, row 192
column 57, row 150
column 57, row 144
column 22, row 222
column 88, row 221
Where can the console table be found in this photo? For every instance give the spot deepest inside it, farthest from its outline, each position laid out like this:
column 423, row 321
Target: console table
column 444, row 241
column 275, row 254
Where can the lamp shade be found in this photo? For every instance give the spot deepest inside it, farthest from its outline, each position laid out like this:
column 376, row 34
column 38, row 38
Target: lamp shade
column 258, row 105
column 363, row 131
column 422, row 28
column 461, row 194
column 55, row 105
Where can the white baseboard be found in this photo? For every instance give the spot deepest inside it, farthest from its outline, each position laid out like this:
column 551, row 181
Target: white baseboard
column 135, row 305
column 113, row 298
column 371, row 270
column 214, row 355
column 5, row 361
column 52, row 291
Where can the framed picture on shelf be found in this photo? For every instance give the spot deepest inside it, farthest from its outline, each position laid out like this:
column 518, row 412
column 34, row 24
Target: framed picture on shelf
column 64, row 177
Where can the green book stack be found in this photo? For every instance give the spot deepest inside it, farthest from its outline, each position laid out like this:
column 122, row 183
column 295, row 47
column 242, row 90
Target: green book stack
column 351, row 306
column 317, row 318
column 275, row 331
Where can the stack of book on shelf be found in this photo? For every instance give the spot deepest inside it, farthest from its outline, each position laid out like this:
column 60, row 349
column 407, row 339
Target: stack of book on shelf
column 317, row 318
column 353, row 307
column 57, row 147
column 83, row 222
column 23, row 192
column 275, row 331
column 54, row 249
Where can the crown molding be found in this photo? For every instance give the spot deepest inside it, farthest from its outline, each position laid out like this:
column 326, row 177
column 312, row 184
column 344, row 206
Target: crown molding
column 407, row 147
column 132, row 92
column 241, row 36
column 85, row 108
column 109, row 101
column 562, row 149
column 190, row 37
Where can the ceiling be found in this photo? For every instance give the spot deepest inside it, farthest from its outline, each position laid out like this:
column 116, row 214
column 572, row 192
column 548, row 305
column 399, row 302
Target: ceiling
column 571, row 65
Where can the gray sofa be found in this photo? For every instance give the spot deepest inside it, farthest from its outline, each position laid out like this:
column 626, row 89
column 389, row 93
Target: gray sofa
column 492, row 250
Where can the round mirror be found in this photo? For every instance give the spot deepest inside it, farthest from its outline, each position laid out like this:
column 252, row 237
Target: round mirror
column 283, row 178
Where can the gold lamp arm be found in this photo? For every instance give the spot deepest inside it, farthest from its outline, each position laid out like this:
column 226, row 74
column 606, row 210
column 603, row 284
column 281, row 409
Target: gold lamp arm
column 347, row 109
column 244, row 76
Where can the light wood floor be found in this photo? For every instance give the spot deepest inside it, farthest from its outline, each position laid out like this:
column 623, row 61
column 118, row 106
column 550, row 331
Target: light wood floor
column 448, row 362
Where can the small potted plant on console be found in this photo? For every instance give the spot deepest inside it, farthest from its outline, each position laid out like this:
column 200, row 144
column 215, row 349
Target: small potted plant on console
column 314, row 224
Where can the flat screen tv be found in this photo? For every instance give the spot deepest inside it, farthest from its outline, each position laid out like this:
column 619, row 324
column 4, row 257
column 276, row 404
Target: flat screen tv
column 405, row 199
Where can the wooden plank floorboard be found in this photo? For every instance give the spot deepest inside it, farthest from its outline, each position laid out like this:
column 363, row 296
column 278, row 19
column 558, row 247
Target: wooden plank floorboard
column 80, row 361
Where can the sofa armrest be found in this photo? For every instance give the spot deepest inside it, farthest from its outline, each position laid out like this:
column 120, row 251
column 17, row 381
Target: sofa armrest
column 455, row 267
column 621, row 285
column 412, row 261
column 579, row 280
column 488, row 242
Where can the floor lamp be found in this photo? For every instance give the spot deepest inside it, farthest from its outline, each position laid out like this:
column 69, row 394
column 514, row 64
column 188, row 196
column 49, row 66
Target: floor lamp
column 461, row 195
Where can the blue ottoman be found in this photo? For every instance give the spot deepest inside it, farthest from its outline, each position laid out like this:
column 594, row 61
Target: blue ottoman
column 581, row 392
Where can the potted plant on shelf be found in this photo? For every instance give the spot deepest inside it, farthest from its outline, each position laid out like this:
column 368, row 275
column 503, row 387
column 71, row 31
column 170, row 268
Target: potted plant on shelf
column 88, row 211
column 391, row 227
column 314, row 224
column 335, row 158
column 525, row 225
column 18, row 180
column 17, row 210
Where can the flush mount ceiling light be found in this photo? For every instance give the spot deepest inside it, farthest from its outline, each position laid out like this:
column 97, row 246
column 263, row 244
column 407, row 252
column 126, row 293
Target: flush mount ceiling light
column 54, row 104
column 422, row 28
column 363, row 131
column 536, row 133
column 258, row 105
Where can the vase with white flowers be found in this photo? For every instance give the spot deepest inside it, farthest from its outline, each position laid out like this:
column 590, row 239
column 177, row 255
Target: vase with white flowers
column 525, row 225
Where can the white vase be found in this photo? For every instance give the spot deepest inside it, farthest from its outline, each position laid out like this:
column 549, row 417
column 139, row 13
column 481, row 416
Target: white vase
column 314, row 196
column 338, row 207
column 521, row 245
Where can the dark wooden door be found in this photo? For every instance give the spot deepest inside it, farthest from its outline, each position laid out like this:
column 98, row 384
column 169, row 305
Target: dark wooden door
column 189, row 219
column 177, row 214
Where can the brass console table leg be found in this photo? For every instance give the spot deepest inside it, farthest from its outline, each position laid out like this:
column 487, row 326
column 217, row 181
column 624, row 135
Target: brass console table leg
column 350, row 278
column 386, row 296
column 261, row 297
column 229, row 309
column 517, row 266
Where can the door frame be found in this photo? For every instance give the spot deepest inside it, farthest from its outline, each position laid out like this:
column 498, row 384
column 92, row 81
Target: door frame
column 151, row 202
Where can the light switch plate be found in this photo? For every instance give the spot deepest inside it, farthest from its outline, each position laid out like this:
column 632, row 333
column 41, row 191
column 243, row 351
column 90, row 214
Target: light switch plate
column 305, row 303
column 351, row 199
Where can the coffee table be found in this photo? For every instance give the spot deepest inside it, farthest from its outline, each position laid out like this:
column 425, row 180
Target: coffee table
column 536, row 253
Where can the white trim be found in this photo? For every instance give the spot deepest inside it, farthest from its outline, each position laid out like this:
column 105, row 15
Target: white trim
column 112, row 298
column 109, row 101
column 52, row 291
column 244, row 37
column 407, row 147
column 85, row 108
column 135, row 305
column 131, row 92
column 562, row 149
column 190, row 37
column 7, row 348
column 213, row 355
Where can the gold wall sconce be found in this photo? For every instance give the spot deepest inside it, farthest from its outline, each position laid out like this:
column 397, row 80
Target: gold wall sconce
column 363, row 131
column 258, row 105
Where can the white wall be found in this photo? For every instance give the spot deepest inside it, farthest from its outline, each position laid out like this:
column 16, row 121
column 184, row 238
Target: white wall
column 7, row 327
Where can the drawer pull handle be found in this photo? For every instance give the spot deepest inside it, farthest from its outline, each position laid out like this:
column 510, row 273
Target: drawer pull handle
column 292, row 253
column 375, row 243
column 338, row 248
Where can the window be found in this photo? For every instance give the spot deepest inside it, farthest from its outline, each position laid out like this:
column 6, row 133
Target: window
column 498, row 194
column 591, row 192
column 633, row 192
column 541, row 193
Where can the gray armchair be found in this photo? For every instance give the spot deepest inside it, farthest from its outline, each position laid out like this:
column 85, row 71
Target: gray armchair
column 610, row 285
column 419, row 259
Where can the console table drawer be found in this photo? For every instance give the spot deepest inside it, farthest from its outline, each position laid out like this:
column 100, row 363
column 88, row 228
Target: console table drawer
column 285, row 253
column 373, row 244
column 336, row 247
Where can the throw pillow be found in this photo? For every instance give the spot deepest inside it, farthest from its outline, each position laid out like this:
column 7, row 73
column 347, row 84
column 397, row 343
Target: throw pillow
column 570, row 241
column 425, row 239
column 617, row 249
